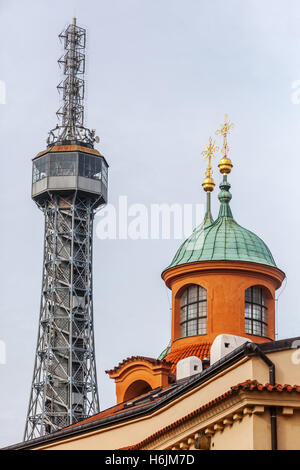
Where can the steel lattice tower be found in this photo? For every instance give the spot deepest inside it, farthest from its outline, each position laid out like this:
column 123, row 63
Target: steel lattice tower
column 69, row 184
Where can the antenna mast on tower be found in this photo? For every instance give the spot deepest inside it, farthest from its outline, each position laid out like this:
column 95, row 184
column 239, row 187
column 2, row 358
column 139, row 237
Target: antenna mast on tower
column 71, row 129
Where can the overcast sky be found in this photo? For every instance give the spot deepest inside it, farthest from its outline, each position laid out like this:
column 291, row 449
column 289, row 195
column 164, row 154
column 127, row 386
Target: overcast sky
column 161, row 76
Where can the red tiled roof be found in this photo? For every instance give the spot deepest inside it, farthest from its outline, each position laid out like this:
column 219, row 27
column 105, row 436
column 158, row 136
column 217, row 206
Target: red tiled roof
column 151, row 360
column 248, row 385
column 253, row 385
column 200, row 350
column 120, row 407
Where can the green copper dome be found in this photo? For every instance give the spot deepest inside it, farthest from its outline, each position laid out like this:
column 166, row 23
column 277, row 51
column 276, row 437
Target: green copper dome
column 223, row 239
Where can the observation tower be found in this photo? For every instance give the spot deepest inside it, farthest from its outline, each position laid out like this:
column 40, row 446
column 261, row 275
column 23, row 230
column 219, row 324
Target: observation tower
column 69, row 184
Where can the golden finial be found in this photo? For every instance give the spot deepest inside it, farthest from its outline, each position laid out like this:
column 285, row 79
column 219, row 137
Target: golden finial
column 225, row 164
column 209, row 152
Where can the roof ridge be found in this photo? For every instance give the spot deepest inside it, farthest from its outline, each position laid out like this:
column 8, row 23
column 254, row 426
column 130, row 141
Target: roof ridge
column 151, row 360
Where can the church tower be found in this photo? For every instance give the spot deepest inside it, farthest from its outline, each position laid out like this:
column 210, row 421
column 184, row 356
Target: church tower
column 223, row 280
column 223, row 277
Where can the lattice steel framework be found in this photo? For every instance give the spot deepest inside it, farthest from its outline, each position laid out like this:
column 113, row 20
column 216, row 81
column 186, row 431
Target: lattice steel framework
column 64, row 386
column 72, row 89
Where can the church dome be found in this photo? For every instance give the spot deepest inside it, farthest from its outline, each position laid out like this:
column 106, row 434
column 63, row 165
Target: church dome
column 223, row 239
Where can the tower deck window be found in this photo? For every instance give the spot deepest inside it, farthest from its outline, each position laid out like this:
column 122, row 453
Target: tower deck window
column 63, row 164
column 256, row 312
column 40, row 169
column 70, row 164
column 193, row 311
column 90, row 166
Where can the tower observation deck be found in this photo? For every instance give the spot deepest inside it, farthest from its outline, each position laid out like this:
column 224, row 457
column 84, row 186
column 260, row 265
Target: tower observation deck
column 69, row 183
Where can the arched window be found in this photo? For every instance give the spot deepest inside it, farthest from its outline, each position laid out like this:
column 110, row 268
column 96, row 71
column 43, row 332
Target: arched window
column 137, row 388
column 255, row 312
column 193, row 311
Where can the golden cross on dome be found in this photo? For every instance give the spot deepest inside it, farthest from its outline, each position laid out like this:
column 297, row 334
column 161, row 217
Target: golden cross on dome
column 224, row 131
column 208, row 153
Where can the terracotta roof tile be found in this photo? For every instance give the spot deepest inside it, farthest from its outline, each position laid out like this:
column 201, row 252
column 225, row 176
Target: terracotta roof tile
column 200, row 350
column 140, row 401
column 151, row 360
column 254, row 385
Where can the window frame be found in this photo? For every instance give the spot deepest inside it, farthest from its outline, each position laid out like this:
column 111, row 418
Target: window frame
column 90, row 166
column 40, row 168
column 63, row 164
column 200, row 314
column 260, row 317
